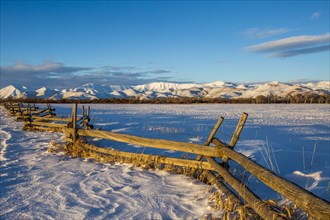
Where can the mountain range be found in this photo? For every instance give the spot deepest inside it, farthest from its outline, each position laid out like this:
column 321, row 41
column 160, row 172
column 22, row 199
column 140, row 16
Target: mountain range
column 217, row 89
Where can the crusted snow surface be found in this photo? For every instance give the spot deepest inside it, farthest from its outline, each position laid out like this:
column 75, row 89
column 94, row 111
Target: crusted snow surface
column 35, row 184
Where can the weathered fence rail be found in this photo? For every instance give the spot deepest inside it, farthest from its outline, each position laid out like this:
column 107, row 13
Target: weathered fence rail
column 314, row 206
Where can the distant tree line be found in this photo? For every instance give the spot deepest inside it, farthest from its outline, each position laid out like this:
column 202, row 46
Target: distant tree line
column 311, row 98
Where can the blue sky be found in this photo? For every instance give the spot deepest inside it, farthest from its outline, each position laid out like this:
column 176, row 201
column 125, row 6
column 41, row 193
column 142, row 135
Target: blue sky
column 69, row 43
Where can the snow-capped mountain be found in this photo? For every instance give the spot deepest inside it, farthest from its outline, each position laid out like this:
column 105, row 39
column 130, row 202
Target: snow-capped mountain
column 276, row 88
column 47, row 93
column 218, row 89
column 16, row 91
column 13, row 91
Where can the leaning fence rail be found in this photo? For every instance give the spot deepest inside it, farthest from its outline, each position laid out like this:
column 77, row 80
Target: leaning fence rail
column 76, row 127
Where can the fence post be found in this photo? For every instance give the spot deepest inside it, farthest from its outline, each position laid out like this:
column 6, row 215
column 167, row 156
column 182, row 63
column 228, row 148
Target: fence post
column 74, row 122
column 236, row 135
column 12, row 108
column 29, row 114
column 20, row 112
column 209, row 139
column 50, row 110
column 83, row 111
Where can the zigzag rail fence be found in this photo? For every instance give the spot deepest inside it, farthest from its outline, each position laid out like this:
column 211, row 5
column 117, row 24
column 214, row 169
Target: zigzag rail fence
column 237, row 191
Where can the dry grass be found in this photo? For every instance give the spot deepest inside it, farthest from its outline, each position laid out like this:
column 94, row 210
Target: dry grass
column 54, row 147
column 27, row 127
column 231, row 210
column 289, row 210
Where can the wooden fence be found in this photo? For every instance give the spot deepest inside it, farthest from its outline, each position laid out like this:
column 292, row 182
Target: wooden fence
column 75, row 127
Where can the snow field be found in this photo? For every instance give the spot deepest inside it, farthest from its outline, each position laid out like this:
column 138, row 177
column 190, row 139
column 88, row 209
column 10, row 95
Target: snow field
column 36, row 184
column 291, row 140
column 283, row 138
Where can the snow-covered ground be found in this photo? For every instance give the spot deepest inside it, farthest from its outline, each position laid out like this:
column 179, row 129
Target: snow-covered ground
column 292, row 140
column 36, row 184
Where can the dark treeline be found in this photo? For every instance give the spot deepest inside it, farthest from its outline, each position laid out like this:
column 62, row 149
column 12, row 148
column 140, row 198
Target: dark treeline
column 321, row 99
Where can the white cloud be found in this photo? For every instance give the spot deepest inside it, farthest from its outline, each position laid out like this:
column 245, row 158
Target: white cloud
column 291, row 53
column 293, row 46
column 57, row 75
column 256, row 32
column 290, row 42
column 46, row 66
column 315, row 15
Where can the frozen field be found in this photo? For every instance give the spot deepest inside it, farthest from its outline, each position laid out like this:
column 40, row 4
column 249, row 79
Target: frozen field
column 292, row 140
column 35, row 184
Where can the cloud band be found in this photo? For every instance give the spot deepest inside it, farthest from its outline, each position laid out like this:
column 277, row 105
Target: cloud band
column 293, row 46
